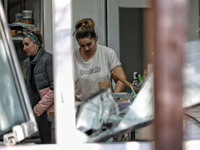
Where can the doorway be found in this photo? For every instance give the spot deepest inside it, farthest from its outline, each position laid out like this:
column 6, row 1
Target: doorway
column 125, row 34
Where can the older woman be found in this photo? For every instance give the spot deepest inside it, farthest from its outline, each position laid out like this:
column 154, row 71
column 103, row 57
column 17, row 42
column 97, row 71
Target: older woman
column 39, row 81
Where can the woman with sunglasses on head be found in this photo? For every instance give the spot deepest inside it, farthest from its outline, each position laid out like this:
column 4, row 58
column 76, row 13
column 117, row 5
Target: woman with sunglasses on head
column 94, row 63
column 39, row 81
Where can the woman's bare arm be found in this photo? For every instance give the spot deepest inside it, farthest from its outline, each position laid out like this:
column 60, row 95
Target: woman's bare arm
column 117, row 73
column 119, row 77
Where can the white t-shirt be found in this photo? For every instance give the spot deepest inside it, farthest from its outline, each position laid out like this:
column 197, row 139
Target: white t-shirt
column 89, row 73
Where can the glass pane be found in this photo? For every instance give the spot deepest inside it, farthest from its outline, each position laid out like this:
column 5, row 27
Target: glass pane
column 10, row 107
column 107, row 120
column 192, row 74
column 17, row 120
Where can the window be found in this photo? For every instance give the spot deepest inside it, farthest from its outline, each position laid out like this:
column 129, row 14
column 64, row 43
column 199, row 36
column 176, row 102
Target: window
column 66, row 134
column 17, row 120
column 64, row 88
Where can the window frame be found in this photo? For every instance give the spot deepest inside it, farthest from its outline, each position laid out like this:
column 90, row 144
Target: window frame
column 64, row 91
column 29, row 126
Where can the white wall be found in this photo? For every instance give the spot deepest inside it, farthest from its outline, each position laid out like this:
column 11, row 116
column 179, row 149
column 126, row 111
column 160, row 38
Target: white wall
column 47, row 23
column 193, row 20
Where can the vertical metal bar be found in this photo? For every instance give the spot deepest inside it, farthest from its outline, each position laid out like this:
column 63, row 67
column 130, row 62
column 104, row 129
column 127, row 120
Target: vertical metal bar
column 41, row 16
column 63, row 72
column 148, row 32
column 6, row 8
column 170, row 35
column 199, row 17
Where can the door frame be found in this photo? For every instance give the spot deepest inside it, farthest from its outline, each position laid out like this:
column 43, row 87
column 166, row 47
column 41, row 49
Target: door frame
column 113, row 19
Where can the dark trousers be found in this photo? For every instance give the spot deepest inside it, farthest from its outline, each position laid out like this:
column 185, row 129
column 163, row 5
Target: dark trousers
column 44, row 127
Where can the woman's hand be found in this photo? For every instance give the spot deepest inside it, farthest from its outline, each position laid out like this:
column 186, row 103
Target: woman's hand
column 35, row 114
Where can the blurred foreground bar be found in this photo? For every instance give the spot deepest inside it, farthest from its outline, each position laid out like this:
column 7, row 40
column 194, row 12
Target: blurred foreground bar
column 170, row 35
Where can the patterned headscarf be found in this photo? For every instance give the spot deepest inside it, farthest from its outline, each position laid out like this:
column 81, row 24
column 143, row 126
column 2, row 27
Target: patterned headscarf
column 33, row 38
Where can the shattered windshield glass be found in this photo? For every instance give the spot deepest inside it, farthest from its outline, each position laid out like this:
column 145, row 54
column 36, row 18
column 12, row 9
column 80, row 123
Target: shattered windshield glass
column 102, row 117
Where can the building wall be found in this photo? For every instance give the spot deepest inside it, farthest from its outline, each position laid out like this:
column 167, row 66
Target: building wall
column 193, row 20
